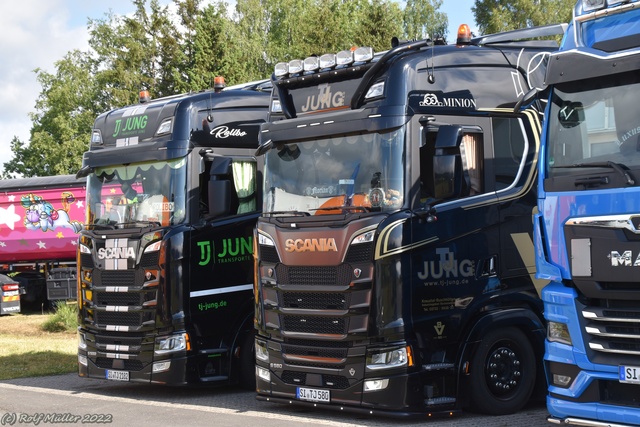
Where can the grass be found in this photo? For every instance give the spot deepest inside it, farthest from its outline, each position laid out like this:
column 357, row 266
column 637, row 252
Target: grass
column 29, row 349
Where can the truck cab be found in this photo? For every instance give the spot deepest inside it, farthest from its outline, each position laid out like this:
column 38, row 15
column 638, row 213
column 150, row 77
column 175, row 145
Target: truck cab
column 395, row 271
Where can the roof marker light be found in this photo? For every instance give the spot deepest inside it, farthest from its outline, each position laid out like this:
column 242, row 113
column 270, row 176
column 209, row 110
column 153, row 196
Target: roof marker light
column 144, row 96
column 464, row 34
column 218, row 83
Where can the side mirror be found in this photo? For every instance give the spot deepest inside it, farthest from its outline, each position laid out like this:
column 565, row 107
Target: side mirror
column 219, row 193
column 84, row 172
column 571, row 114
column 526, row 99
column 219, row 187
column 447, row 175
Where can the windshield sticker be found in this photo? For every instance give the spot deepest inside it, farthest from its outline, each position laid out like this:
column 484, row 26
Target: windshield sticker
column 432, row 100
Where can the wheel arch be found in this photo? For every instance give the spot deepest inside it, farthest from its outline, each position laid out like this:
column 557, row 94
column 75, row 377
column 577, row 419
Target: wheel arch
column 524, row 319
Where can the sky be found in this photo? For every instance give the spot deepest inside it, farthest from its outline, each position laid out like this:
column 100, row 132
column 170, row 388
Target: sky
column 37, row 33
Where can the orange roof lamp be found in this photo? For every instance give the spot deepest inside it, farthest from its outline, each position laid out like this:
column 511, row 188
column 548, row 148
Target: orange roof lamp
column 218, row 83
column 144, row 96
column 464, row 35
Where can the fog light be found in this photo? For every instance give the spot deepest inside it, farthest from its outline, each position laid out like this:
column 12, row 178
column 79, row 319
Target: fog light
column 82, row 360
column 263, row 374
column 161, row 366
column 375, row 385
column 561, row 380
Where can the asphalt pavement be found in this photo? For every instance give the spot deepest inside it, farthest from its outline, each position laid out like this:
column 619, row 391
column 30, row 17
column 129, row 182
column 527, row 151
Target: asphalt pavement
column 71, row 400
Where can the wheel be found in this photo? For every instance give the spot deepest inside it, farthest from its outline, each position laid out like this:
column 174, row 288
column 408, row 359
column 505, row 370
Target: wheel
column 248, row 361
column 503, row 372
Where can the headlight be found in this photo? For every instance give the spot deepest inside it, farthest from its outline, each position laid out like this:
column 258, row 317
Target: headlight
column 82, row 344
column 388, row 359
column 262, row 354
column 172, row 343
column 152, row 237
column 375, row 91
column 558, row 332
column 265, row 240
column 364, row 237
column 164, row 127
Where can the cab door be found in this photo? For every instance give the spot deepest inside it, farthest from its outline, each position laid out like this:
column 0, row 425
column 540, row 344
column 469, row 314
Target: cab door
column 456, row 226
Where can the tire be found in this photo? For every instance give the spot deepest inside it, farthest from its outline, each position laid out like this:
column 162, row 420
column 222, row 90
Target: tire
column 247, row 361
column 503, row 372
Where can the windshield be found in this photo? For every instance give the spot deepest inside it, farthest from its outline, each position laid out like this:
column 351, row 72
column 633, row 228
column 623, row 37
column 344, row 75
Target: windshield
column 594, row 122
column 150, row 192
column 357, row 173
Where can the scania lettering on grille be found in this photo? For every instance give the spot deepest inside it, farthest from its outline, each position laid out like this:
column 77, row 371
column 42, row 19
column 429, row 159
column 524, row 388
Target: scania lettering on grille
column 311, row 245
column 624, row 259
column 116, row 253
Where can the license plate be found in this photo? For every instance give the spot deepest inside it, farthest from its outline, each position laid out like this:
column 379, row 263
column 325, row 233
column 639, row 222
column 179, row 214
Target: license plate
column 629, row 374
column 313, row 394
column 117, row 375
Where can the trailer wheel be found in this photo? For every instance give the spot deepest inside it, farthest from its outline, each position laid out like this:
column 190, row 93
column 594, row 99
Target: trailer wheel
column 503, row 372
column 248, row 362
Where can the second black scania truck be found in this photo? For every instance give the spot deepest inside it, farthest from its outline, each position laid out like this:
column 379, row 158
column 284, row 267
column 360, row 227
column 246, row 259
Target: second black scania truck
column 395, row 265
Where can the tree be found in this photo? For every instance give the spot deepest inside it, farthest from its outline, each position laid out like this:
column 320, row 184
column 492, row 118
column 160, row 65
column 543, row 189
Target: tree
column 62, row 122
column 494, row 16
column 379, row 23
column 422, row 19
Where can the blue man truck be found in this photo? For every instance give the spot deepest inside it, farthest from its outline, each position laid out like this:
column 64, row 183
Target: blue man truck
column 587, row 230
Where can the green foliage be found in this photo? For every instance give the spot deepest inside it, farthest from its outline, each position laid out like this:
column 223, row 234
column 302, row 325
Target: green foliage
column 422, row 19
column 65, row 318
column 493, row 16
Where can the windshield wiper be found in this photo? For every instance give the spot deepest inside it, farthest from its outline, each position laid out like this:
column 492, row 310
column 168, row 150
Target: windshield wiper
column 99, row 226
column 294, row 213
column 618, row 167
column 344, row 208
column 147, row 222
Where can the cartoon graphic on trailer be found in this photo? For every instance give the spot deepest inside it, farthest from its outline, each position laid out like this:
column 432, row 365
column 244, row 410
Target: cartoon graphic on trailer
column 41, row 215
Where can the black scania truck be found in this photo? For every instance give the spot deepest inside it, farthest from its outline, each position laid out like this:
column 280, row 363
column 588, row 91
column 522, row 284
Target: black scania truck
column 395, row 259
column 165, row 261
